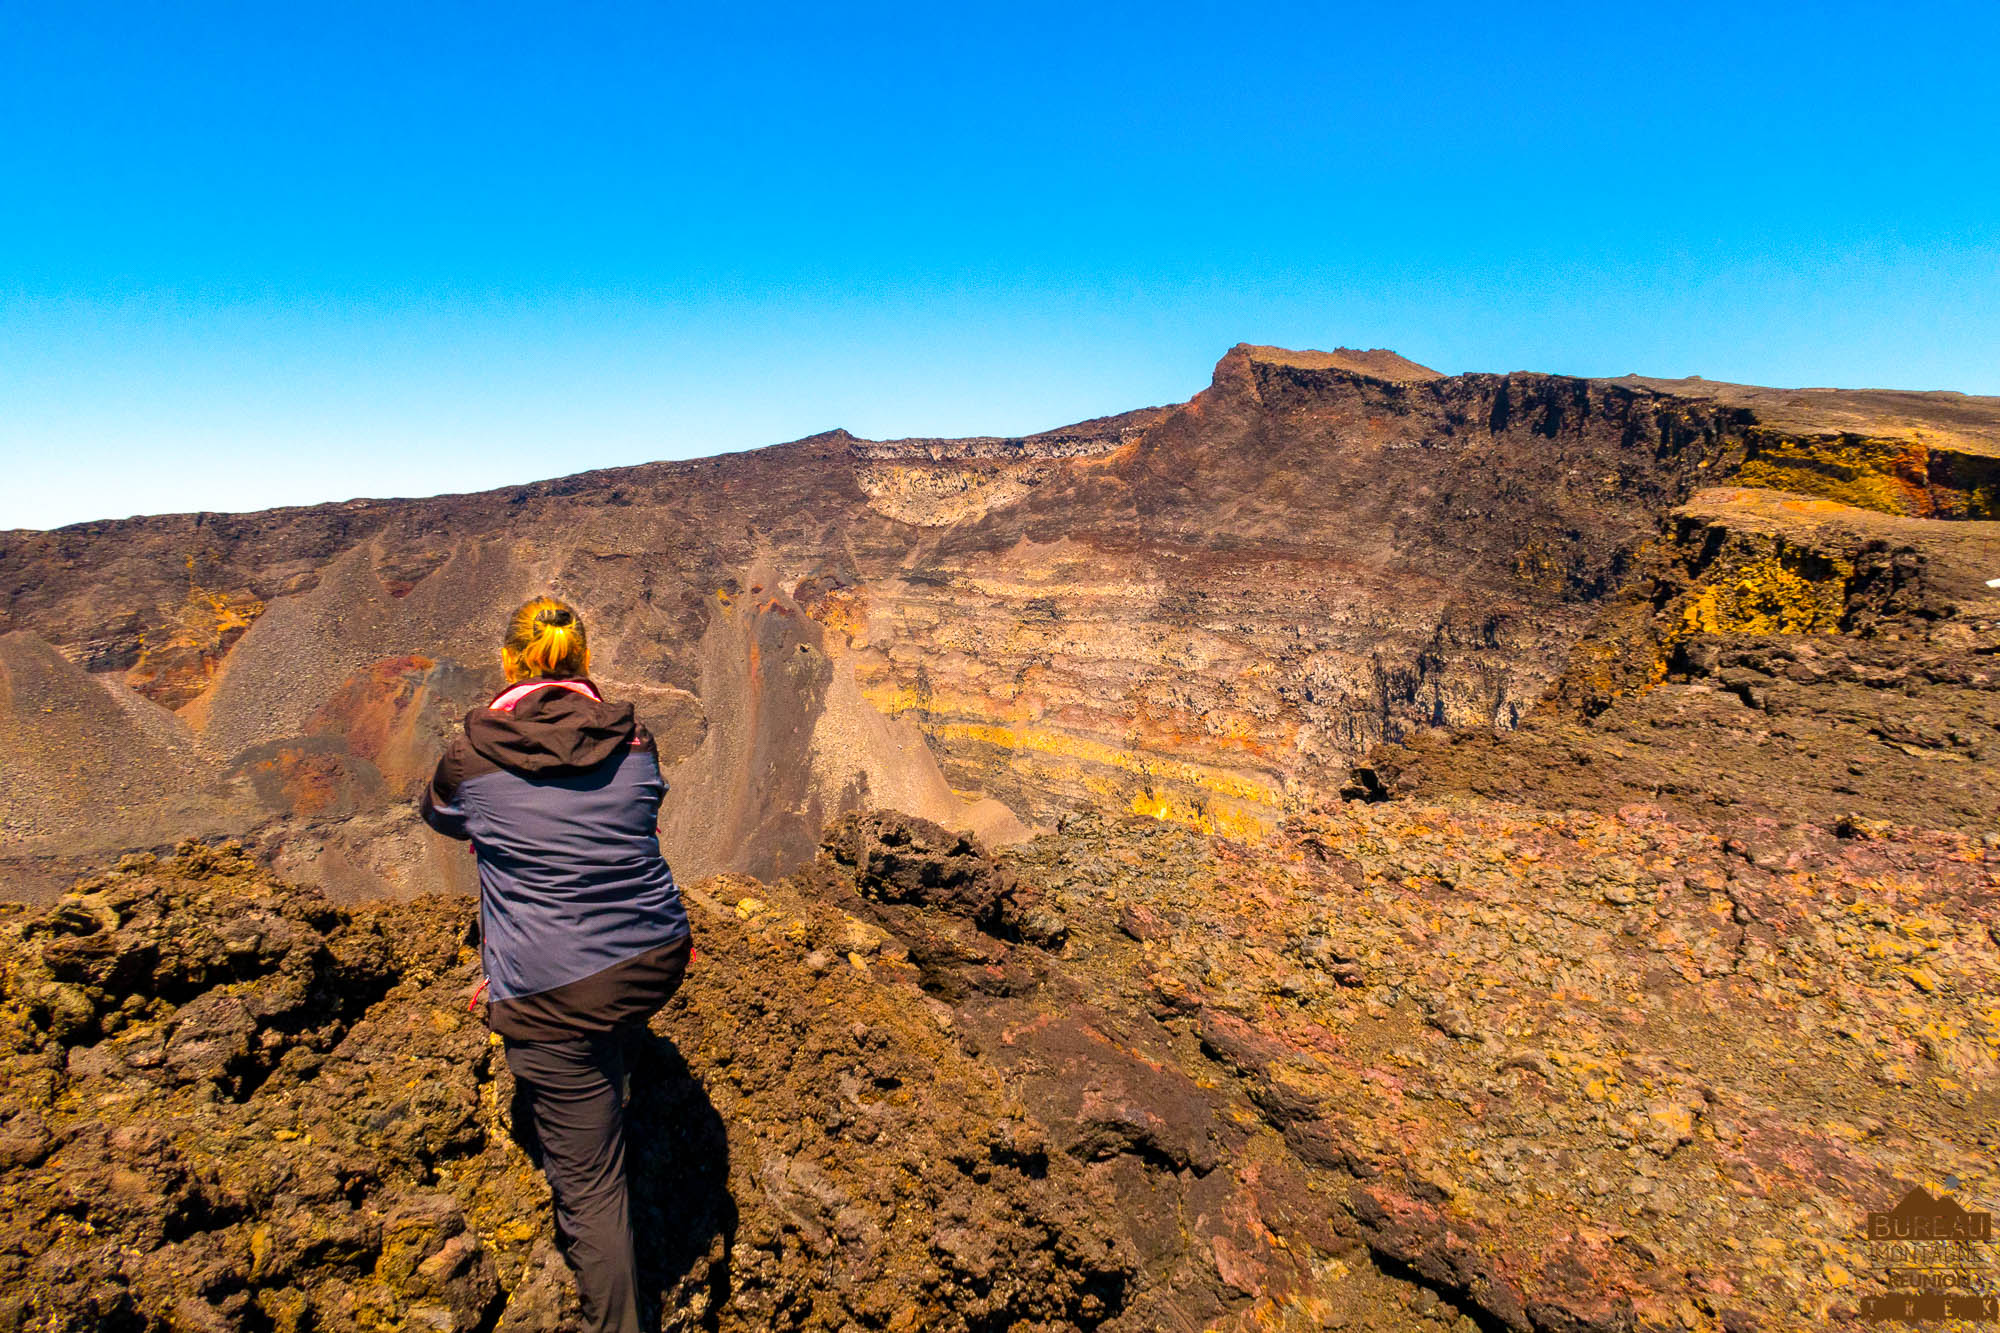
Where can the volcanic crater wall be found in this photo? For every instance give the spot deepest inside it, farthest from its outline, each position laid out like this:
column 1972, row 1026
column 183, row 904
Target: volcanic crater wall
column 1203, row 613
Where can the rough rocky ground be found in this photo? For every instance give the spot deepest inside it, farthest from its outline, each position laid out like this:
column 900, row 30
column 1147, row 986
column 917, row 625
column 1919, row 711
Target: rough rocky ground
column 230, row 1105
column 1589, row 1070
column 1403, row 1066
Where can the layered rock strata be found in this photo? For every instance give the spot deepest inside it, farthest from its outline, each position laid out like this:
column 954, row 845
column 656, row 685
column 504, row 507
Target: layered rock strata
column 1204, row 613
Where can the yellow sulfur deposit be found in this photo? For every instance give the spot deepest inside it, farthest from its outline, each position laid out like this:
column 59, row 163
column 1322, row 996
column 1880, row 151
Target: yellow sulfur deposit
column 1209, row 817
column 1769, row 596
column 1886, row 475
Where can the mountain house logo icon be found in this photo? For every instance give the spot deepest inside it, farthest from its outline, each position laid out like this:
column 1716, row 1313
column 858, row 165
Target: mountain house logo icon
column 1923, row 1216
column 1938, row 1272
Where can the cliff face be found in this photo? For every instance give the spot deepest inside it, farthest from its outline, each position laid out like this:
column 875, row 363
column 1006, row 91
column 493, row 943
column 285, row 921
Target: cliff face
column 1210, row 622
column 1775, row 657
column 1201, row 612
column 1204, row 613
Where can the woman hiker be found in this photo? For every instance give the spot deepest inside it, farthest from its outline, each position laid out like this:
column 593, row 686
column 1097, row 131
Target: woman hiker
column 582, row 932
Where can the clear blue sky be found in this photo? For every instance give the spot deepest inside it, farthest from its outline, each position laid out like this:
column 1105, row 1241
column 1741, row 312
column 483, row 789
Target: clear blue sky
column 279, row 253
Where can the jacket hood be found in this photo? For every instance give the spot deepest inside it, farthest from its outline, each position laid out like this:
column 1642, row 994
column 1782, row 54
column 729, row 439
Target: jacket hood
column 551, row 732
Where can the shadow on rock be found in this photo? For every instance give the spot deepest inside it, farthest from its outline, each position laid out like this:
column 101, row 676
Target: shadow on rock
column 683, row 1217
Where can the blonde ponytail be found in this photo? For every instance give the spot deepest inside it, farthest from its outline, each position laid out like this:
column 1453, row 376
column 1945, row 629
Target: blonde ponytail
column 544, row 638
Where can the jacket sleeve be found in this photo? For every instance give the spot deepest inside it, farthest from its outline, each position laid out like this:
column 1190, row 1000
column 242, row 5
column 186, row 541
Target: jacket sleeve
column 643, row 743
column 439, row 804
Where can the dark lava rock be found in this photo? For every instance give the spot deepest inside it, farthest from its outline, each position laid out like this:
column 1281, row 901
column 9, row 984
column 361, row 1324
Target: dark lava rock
column 225, row 1104
column 899, row 859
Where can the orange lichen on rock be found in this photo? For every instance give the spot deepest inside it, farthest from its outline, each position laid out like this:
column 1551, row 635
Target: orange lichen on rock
column 310, row 781
column 1045, row 740
column 842, row 608
column 1540, row 567
column 1887, row 475
column 1223, row 818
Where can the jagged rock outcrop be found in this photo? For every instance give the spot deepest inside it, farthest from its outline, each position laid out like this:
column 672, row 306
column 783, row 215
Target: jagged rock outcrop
column 1774, row 656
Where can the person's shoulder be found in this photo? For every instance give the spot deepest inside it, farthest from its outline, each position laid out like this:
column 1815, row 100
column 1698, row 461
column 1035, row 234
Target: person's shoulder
column 461, row 759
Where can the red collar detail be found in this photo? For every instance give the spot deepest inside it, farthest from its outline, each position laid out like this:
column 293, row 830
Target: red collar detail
column 504, row 701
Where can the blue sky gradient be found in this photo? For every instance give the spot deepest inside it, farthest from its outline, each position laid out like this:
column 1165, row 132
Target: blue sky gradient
column 275, row 254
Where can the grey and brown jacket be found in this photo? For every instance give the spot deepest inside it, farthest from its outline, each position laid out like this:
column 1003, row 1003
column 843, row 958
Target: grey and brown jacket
column 581, row 925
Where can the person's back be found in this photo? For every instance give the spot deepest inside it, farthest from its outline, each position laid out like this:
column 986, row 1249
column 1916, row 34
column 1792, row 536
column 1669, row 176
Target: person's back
column 582, row 931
